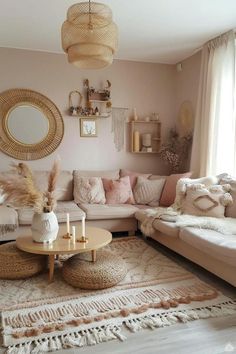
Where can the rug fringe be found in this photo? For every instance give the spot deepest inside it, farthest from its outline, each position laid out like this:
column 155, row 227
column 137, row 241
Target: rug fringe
column 71, row 340
column 104, row 334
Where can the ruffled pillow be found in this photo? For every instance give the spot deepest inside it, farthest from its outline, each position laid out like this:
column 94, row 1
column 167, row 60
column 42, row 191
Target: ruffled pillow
column 118, row 191
column 211, row 201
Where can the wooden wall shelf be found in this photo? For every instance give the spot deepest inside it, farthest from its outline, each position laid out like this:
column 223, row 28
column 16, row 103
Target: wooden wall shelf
column 142, row 127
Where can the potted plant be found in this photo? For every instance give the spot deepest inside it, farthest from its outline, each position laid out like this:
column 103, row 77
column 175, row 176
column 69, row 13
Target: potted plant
column 21, row 190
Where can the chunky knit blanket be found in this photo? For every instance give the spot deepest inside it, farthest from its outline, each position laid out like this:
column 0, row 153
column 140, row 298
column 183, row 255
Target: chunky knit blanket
column 225, row 226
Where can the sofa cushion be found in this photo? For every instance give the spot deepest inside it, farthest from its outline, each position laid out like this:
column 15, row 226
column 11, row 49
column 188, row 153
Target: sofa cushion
column 206, row 201
column 148, row 191
column 108, row 211
column 169, row 191
column 88, row 190
column 133, row 176
column 118, row 191
column 110, row 174
column 222, row 247
column 26, row 214
column 167, row 228
column 64, row 186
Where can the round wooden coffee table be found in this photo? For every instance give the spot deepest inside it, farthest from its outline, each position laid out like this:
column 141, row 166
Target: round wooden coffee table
column 97, row 238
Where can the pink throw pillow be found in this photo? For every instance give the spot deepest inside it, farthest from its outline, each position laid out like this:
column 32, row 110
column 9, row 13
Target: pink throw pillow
column 133, row 176
column 169, row 190
column 118, row 191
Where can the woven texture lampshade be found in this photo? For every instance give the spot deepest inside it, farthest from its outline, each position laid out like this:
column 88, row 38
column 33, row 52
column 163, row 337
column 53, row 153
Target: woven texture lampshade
column 89, row 36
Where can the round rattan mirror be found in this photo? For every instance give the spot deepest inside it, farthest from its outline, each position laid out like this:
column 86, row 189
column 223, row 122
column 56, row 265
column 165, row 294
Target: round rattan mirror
column 31, row 126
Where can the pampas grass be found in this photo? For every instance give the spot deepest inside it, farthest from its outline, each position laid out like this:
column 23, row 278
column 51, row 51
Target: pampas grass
column 52, row 180
column 20, row 189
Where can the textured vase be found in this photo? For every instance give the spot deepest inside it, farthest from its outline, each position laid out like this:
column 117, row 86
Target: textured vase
column 44, row 227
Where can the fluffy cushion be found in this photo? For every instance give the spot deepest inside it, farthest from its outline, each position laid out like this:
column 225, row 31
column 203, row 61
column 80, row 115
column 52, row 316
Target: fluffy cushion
column 169, row 190
column 206, row 201
column 230, row 209
column 148, row 191
column 181, row 187
column 118, row 191
column 133, row 176
column 89, row 190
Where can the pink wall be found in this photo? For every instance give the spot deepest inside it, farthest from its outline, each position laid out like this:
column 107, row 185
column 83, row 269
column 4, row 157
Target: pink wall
column 148, row 87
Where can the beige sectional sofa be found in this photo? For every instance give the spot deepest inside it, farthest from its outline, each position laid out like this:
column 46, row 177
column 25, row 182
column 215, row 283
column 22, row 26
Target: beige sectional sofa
column 210, row 249
column 114, row 218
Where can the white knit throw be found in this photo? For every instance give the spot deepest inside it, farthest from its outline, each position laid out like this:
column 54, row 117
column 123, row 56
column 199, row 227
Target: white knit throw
column 225, row 226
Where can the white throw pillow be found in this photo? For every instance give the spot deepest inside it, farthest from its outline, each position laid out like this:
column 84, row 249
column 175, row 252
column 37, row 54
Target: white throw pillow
column 211, row 201
column 148, row 191
column 183, row 182
column 89, row 190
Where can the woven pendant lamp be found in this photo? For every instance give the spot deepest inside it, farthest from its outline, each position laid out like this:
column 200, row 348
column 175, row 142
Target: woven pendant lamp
column 89, row 36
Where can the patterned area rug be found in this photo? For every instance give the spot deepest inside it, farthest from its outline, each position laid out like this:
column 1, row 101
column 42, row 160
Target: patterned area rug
column 39, row 317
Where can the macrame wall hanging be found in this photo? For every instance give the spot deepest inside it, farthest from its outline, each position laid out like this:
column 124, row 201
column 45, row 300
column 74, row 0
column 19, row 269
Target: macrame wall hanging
column 119, row 116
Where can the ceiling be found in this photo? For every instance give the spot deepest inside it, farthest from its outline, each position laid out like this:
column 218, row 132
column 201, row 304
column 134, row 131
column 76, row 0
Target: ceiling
column 164, row 31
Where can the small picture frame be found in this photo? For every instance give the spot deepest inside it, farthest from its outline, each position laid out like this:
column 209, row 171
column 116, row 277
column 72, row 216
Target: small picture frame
column 88, row 127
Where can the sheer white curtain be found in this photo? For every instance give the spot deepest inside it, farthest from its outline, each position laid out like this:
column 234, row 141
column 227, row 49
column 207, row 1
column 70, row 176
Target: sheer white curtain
column 214, row 142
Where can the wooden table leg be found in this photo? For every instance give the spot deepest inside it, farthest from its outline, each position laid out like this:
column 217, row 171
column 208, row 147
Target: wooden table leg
column 94, row 255
column 51, row 267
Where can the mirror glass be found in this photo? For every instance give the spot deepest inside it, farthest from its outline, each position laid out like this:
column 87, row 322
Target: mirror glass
column 27, row 124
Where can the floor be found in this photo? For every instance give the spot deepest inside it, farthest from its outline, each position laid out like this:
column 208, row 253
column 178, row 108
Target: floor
column 211, row 336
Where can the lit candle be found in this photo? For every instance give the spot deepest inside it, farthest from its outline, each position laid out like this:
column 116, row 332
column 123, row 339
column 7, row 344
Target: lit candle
column 68, row 223
column 83, row 226
column 73, row 234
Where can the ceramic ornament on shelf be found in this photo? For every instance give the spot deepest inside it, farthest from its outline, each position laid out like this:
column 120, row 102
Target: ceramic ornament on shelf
column 146, row 142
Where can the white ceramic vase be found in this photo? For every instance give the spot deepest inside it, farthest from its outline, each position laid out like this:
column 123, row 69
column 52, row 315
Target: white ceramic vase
column 44, row 227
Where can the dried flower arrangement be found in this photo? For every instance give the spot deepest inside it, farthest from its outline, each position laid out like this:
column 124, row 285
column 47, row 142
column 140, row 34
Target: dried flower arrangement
column 21, row 190
column 175, row 151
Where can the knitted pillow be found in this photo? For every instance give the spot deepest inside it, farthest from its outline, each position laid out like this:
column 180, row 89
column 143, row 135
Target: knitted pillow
column 148, row 191
column 206, row 201
column 88, row 190
column 118, row 191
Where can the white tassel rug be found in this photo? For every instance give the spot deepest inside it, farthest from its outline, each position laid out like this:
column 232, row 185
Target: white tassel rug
column 38, row 317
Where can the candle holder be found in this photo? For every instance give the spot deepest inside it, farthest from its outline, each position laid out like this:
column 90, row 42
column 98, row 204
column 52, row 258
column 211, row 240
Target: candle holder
column 82, row 239
column 67, row 236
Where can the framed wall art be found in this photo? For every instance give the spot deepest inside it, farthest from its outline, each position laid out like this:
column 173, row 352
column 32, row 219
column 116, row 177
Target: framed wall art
column 88, row 127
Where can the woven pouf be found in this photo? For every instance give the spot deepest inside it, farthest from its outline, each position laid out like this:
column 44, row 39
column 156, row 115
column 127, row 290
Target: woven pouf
column 108, row 270
column 16, row 264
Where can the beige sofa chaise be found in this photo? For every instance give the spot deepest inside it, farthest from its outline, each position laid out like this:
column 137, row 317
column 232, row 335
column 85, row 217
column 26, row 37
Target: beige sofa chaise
column 210, row 249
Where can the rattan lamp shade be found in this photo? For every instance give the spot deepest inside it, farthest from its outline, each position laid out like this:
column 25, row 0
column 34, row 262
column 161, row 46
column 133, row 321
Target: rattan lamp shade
column 89, row 36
